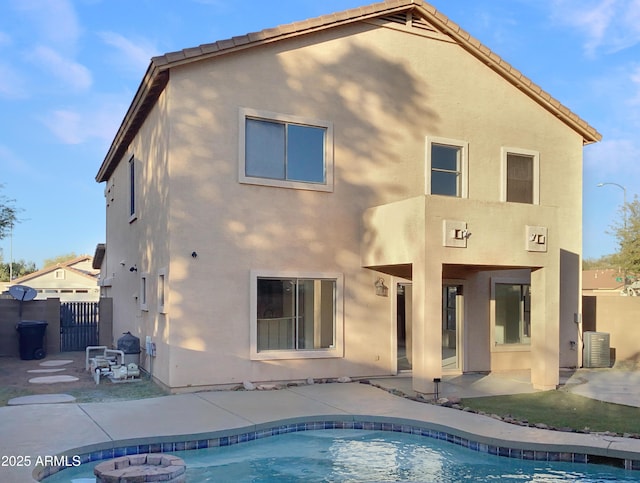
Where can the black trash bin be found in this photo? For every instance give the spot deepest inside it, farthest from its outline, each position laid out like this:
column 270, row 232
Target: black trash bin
column 31, row 334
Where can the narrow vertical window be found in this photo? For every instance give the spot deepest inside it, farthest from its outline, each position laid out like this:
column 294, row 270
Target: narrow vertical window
column 520, row 183
column 446, row 167
column 132, row 187
column 519, row 178
column 162, row 291
column 446, row 174
column 143, row 292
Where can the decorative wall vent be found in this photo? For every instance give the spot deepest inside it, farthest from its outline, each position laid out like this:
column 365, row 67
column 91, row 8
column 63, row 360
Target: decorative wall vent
column 408, row 19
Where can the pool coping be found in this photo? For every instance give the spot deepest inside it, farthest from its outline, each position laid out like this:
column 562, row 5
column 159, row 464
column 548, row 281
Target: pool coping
column 532, row 451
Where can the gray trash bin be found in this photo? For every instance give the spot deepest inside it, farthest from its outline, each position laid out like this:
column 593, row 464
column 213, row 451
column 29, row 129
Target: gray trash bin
column 31, row 334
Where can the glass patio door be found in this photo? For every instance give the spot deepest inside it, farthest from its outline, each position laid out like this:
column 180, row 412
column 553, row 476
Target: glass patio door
column 452, row 316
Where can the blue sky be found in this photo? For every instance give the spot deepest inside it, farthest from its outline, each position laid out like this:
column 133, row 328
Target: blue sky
column 70, row 68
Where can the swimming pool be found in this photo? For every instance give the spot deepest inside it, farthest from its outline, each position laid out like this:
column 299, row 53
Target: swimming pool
column 365, row 455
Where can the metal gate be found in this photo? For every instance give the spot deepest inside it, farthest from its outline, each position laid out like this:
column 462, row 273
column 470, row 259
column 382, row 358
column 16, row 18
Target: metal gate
column 78, row 325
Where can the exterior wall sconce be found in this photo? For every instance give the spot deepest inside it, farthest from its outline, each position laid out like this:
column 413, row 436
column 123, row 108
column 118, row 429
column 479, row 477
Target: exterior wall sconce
column 194, row 254
column 381, row 289
column 134, row 268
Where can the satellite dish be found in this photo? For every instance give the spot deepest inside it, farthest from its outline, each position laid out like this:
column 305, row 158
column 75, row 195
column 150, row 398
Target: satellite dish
column 22, row 293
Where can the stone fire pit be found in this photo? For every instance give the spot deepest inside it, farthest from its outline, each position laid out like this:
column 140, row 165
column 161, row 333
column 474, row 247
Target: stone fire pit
column 140, row 468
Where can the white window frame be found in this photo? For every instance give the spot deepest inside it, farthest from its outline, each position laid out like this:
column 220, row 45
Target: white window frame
column 464, row 163
column 144, row 292
column 327, row 186
column 504, row 151
column 162, row 290
column 495, row 347
column 333, row 352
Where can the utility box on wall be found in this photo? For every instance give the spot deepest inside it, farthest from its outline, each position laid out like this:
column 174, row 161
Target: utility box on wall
column 596, row 350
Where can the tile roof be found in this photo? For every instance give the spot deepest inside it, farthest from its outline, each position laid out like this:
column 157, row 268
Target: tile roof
column 156, row 77
column 602, row 279
column 67, row 265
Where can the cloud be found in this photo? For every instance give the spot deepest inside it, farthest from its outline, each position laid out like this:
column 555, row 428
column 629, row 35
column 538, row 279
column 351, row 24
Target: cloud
column 608, row 25
column 70, row 72
column 97, row 119
column 134, row 55
column 55, row 21
column 11, row 83
column 635, row 80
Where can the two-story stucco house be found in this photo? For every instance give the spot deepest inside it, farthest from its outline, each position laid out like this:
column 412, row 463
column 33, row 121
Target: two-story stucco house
column 353, row 195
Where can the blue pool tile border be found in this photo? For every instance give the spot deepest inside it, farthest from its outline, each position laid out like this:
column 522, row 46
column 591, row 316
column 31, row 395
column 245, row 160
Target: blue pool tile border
column 278, row 429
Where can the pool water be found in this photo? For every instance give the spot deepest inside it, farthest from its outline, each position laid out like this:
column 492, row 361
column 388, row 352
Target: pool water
column 358, row 456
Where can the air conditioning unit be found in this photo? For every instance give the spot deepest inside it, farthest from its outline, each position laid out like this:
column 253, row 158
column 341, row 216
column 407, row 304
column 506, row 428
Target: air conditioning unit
column 596, row 350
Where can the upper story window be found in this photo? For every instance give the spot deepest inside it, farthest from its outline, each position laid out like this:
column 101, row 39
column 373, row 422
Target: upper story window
column 285, row 151
column 520, row 178
column 132, row 189
column 446, row 167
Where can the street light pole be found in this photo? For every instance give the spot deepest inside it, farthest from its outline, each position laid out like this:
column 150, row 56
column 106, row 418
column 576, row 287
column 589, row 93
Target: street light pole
column 624, row 216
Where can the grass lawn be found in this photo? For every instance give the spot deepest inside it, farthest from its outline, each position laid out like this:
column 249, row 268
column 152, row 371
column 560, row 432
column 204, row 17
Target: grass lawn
column 105, row 392
column 561, row 409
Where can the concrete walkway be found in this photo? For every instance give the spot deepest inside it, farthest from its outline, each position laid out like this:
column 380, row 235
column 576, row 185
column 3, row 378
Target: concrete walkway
column 48, row 430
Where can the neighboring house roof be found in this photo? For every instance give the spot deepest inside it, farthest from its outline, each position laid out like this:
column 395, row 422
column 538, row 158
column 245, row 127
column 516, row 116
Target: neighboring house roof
column 77, row 265
column 603, row 279
column 416, row 13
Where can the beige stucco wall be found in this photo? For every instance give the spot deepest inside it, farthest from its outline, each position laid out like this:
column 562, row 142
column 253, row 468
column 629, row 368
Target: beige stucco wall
column 384, row 91
column 141, row 241
column 618, row 316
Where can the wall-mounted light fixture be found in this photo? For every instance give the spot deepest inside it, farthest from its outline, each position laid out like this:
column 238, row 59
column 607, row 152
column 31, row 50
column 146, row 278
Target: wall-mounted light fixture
column 133, row 269
column 381, row 289
column 194, row 254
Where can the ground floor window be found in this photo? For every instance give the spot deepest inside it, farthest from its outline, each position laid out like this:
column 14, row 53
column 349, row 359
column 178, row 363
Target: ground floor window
column 295, row 315
column 512, row 313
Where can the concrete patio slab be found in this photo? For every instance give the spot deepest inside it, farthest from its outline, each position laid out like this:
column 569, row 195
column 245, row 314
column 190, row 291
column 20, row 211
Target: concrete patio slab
column 41, row 399
column 162, row 416
column 45, row 371
column 56, row 362
column 52, row 379
column 265, row 406
column 610, row 385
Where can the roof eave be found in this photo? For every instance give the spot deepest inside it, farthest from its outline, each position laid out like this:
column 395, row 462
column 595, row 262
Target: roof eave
column 152, row 85
column 495, row 62
column 157, row 74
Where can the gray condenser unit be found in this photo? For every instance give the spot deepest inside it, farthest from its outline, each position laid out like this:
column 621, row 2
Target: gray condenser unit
column 596, row 350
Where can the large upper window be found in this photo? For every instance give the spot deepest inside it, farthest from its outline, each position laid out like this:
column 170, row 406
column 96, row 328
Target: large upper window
column 512, row 313
column 446, row 167
column 285, row 151
column 295, row 316
column 520, row 176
